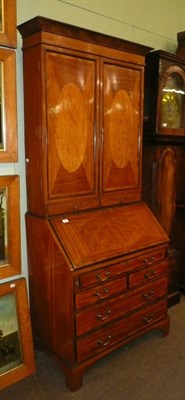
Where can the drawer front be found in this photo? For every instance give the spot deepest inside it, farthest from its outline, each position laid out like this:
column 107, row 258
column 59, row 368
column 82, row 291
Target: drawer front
column 107, row 337
column 107, row 273
column 100, row 292
column 147, row 274
column 101, row 275
column 109, row 310
column 147, row 259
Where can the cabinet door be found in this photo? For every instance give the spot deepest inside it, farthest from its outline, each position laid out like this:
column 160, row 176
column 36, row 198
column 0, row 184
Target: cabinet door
column 71, row 121
column 121, row 132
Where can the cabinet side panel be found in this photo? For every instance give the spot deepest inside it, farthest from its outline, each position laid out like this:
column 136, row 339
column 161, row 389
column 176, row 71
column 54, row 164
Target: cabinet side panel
column 33, row 129
column 50, row 282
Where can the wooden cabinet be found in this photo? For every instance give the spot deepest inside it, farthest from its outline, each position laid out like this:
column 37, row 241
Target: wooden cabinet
column 84, row 127
column 98, row 267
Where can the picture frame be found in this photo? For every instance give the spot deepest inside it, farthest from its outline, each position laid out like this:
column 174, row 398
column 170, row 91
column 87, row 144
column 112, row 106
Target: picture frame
column 16, row 343
column 8, row 106
column 10, row 249
column 8, row 22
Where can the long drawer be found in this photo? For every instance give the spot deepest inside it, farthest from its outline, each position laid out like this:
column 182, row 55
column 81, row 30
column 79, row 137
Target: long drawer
column 106, row 337
column 100, row 314
column 100, row 292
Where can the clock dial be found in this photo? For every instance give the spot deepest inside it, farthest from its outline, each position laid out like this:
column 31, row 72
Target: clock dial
column 172, row 102
column 171, row 113
column 164, row 97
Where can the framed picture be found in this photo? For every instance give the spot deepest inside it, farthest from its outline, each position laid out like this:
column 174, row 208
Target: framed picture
column 10, row 258
column 8, row 22
column 8, row 106
column 16, row 344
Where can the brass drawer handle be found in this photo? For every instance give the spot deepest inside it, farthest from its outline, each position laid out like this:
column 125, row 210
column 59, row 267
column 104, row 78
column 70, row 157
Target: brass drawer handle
column 106, row 342
column 76, row 207
column 104, row 277
column 103, row 318
column 149, row 260
column 150, row 275
column 148, row 296
column 102, row 294
column 149, row 318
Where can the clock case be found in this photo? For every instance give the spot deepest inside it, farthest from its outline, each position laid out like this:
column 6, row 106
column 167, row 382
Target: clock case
column 162, row 66
column 163, row 160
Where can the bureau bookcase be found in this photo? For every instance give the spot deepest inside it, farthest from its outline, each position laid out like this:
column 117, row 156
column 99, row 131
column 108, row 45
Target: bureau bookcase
column 98, row 269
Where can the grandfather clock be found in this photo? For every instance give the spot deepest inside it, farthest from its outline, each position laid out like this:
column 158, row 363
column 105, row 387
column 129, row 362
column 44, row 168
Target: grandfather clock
column 179, row 226
column 164, row 141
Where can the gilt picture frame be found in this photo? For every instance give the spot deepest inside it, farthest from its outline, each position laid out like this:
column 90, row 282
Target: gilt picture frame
column 16, row 342
column 10, row 252
column 8, row 21
column 8, row 106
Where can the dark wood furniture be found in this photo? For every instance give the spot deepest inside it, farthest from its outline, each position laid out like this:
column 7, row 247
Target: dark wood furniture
column 98, row 268
column 179, row 226
column 164, row 140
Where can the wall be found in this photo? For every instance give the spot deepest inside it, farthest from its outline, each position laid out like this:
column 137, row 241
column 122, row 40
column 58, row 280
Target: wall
column 150, row 22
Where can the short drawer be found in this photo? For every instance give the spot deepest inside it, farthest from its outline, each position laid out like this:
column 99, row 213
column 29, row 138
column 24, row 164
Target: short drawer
column 105, row 338
column 102, row 275
column 97, row 315
column 147, row 259
column 100, row 292
column 147, row 274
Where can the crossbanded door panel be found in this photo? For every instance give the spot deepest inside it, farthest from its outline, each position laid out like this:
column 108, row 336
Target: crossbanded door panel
column 71, row 123
column 121, row 133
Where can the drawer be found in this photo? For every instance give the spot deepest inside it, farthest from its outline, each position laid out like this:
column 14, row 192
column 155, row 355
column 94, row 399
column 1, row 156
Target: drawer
column 102, row 275
column 98, row 315
column 112, row 271
column 146, row 274
column 100, row 292
column 149, row 258
column 102, row 339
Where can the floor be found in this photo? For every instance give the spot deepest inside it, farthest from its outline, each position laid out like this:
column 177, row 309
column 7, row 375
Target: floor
column 150, row 368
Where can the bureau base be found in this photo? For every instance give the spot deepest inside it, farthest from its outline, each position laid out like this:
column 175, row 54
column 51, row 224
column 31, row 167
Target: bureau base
column 87, row 301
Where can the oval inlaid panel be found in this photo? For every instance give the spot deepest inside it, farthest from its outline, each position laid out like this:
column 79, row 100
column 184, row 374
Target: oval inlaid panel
column 71, row 127
column 121, row 128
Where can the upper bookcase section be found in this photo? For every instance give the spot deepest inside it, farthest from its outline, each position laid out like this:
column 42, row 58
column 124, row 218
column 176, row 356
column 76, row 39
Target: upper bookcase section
column 83, row 96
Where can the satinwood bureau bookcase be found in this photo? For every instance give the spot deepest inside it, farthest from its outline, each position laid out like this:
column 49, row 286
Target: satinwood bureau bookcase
column 98, row 269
